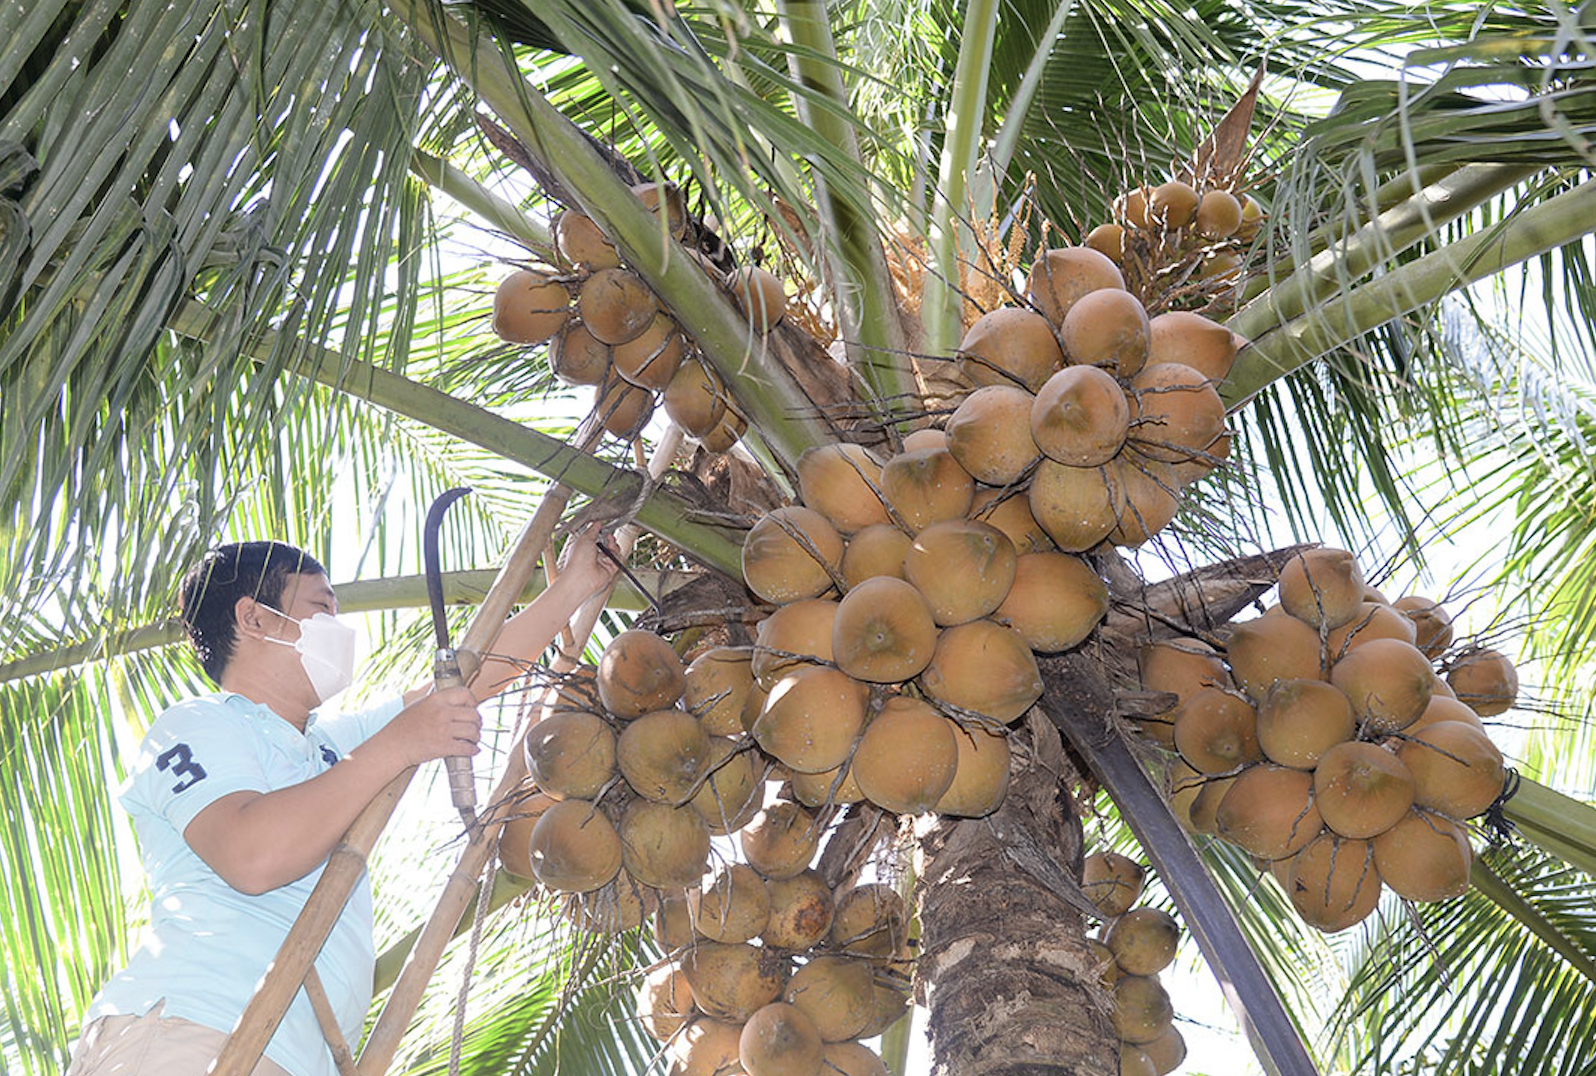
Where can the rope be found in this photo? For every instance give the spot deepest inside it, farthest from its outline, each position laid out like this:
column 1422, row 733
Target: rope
column 484, row 894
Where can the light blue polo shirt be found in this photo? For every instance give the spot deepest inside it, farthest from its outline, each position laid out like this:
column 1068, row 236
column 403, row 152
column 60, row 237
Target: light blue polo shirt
column 208, row 945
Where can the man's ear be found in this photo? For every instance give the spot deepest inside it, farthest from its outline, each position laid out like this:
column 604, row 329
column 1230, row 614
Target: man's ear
column 250, row 617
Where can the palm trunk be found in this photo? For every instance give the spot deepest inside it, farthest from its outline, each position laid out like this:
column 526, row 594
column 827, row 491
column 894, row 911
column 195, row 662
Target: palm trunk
column 1007, row 976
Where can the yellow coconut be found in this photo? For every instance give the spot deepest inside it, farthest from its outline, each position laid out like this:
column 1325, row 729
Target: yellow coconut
column 731, row 980
column 1425, row 856
column 985, row 668
column 790, row 554
column 1361, row 789
column 1387, row 682
column 1150, row 500
column 780, row 1040
column 1182, row 667
column 651, row 359
column 1172, row 204
column 871, row 920
column 694, row 399
column 707, row 1047
column 616, row 305
column 1299, row 720
column 906, row 758
column 926, row 437
column 1078, row 506
column 1010, row 346
column 1269, row 811
column 797, row 634
column 1179, row 336
column 1456, row 769
column 664, row 755
column 1059, row 278
column 663, row 846
column 731, row 796
column 1107, row 239
column 963, row 567
column 852, row 1059
column 1432, row 626
column 884, row 631
column 760, row 295
column 1218, row 214
column 827, row 787
column 840, row 481
column 1271, row 648
column 515, row 839
column 1131, row 207
column 732, row 908
column 529, row 307
column 1323, row 587
column 1333, row 883
column 1054, row 602
column 665, row 1002
column 1372, row 621
column 1176, row 414
column 835, row 993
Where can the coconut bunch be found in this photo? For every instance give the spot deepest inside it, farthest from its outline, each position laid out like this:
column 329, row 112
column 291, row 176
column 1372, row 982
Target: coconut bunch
column 1107, row 412
column 1134, row 945
column 1338, row 739
column 1177, row 222
column 770, row 972
column 605, row 327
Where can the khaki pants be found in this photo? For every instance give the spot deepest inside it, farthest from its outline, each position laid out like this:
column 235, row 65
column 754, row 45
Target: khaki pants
column 152, row 1045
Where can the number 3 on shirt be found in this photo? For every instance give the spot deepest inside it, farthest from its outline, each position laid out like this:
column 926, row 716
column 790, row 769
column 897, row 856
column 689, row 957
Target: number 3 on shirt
column 180, row 761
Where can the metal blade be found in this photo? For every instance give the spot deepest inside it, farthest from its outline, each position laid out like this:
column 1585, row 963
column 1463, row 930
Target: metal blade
column 429, row 556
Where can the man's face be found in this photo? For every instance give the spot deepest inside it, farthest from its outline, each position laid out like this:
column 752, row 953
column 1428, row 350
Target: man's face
column 304, row 595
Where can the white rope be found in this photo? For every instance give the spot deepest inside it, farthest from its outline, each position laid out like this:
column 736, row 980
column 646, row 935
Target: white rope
column 484, row 894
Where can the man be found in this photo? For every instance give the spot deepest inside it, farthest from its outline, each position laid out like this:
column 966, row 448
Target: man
column 238, row 797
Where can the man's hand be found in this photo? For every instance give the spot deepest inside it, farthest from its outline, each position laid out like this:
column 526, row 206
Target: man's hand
column 436, row 725
column 587, row 567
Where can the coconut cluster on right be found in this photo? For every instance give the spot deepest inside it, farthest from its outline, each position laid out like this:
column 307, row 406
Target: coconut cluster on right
column 1337, row 739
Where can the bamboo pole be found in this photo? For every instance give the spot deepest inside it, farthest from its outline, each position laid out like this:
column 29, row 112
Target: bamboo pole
column 296, row 958
column 464, row 882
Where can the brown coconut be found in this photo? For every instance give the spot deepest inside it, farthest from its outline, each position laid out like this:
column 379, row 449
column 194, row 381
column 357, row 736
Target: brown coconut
column 990, row 434
column 781, row 840
column 874, row 551
column 1131, row 207
column 1431, row 624
column 1269, row 811
column 790, row 554
column 1333, row 883
column 835, row 993
column 1218, row 215
column 760, row 296
column 1175, row 412
column 1323, row 587
column 1112, row 882
column 574, row 848
column 981, row 777
column 1109, row 240
column 731, row 796
column 827, row 787
column 1443, row 707
column 571, row 755
column 1080, row 417
column 707, row 1047
column 730, row 980
column 1172, row 204
column 906, row 758
column 1055, row 601
column 926, row 487
column 884, row 631
column 1108, row 328
column 1372, row 621
column 663, row 846
column 731, row 427
column 1271, row 648
column 1166, row 1052
column 1142, row 1009
column 665, row 1002
column 1299, row 720
column 694, row 399
column 616, row 305
column 925, row 437
column 801, row 909
column 664, row 755
column 871, row 920
column 1143, row 940
column 1182, row 667
column 1010, row 512
column 1484, row 679
column 840, row 481
column 717, row 685
column 797, row 634
column 1009, row 346
column 732, row 908
column 1362, row 789
column 580, row 242
column 1205, row 807
column 651, row 359
column 1059, row 278
column 623, row 407
column 529, row 307
column 780, row 1040
column 515, row 839
column 1150, row 500
column 963, row 567
column 1216, row 731
column 852, row 1059
column 1456, row 769
column 1078, row 506
column 983, row 667
column 1388, row 683
column 1425, row 856
column 577, row 357
column 812, row 718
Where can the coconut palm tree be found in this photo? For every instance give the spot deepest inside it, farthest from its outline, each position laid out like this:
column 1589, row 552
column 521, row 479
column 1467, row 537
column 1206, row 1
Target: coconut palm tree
column 243, row 279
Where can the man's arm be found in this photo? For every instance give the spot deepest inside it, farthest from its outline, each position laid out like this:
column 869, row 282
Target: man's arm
column 258, row 841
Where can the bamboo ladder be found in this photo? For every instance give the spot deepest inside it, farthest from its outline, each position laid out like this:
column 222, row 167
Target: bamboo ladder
column 294, row 966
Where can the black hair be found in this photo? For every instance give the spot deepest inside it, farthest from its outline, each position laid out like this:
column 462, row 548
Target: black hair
column 210, row 591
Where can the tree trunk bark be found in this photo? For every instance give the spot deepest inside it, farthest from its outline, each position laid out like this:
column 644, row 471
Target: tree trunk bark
column 1007, row 977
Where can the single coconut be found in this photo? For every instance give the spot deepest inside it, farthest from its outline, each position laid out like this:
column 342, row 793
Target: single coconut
column 926, row 437
column 884, row 631
column 664, row 755
column 1205, row 807
column 1150, row 500
column 1269, row 811
column 732, row 908
column 732, row 426
column 1387, row 682
column 1175, row 412
column 1372, row 621
column 1131, row 207
column 781, row 840
column 529, row 308
column 871, row 920
column 790, row 554
column 717, row 685
column 1108, row 328
column 906, row 758
column 577, row 357
column 1054, row 602
column 1425, row 856
column 1218, row 215
column 1362, row 789
column 1484, row 679
column 801, row 909
column 731, row 980
column 695, row 399
column 571, row 755
column 1112, row 882
column 827, row 787
column 1060, row 278
column 623, row 407
column 852, row 1059
column 639, row 673
column 1431, row 624
column 759, row 295
column 812, row 718
column 1143, row 940
column 1456, row 769
column 665, row 1002
column 731, row 796
column 985, row 668
column 1109, row 240
column 652, row 194
column 574, row 848
column 1216, row 731
column 874, row 551
column 580, row 242
column 515, row 839
column 650, row 360
column 673, row 926
column 1333, row 883
column 616, row 306
column 1172, row 204
column 990, row 434
column 780, row 1040
column 835, row 993
column 663, row 846
column 981, row 777
column 926, row 487
column 841, row 482
column 1299, row 720
column 1142, row 1010
column 963, row 567
column 1252, row 216
column 1078, row 506
column 707, row 1047
column 1009, row 346
column 1272, row 648
column 1080, row 417
column 1010, row 512
column 1323, row 587
column 797, row 634
column 1444, row 707
column 1184, row 785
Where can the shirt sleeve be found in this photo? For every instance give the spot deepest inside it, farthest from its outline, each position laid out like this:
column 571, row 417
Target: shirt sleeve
column 194, row 754
column 348, row 731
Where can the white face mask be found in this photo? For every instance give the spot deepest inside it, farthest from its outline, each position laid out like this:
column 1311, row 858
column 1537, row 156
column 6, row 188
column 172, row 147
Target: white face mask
column 326, row 648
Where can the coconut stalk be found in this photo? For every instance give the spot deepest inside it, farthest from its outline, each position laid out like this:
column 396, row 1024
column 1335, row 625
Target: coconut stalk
column 1505, row 897
column 357, row 596
column 872, row 333
column 1393, row 231
column 941, row 309
column 1283, row 349
column 661, row 512
column 496, row 211
column 764, row 389
column 1557, row 824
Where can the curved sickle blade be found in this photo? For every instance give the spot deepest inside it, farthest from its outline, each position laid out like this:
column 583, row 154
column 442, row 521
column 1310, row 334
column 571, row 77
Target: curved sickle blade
column 429, row 556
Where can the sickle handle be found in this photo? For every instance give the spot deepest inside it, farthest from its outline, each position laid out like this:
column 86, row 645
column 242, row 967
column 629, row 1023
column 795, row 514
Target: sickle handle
column 462, row 782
